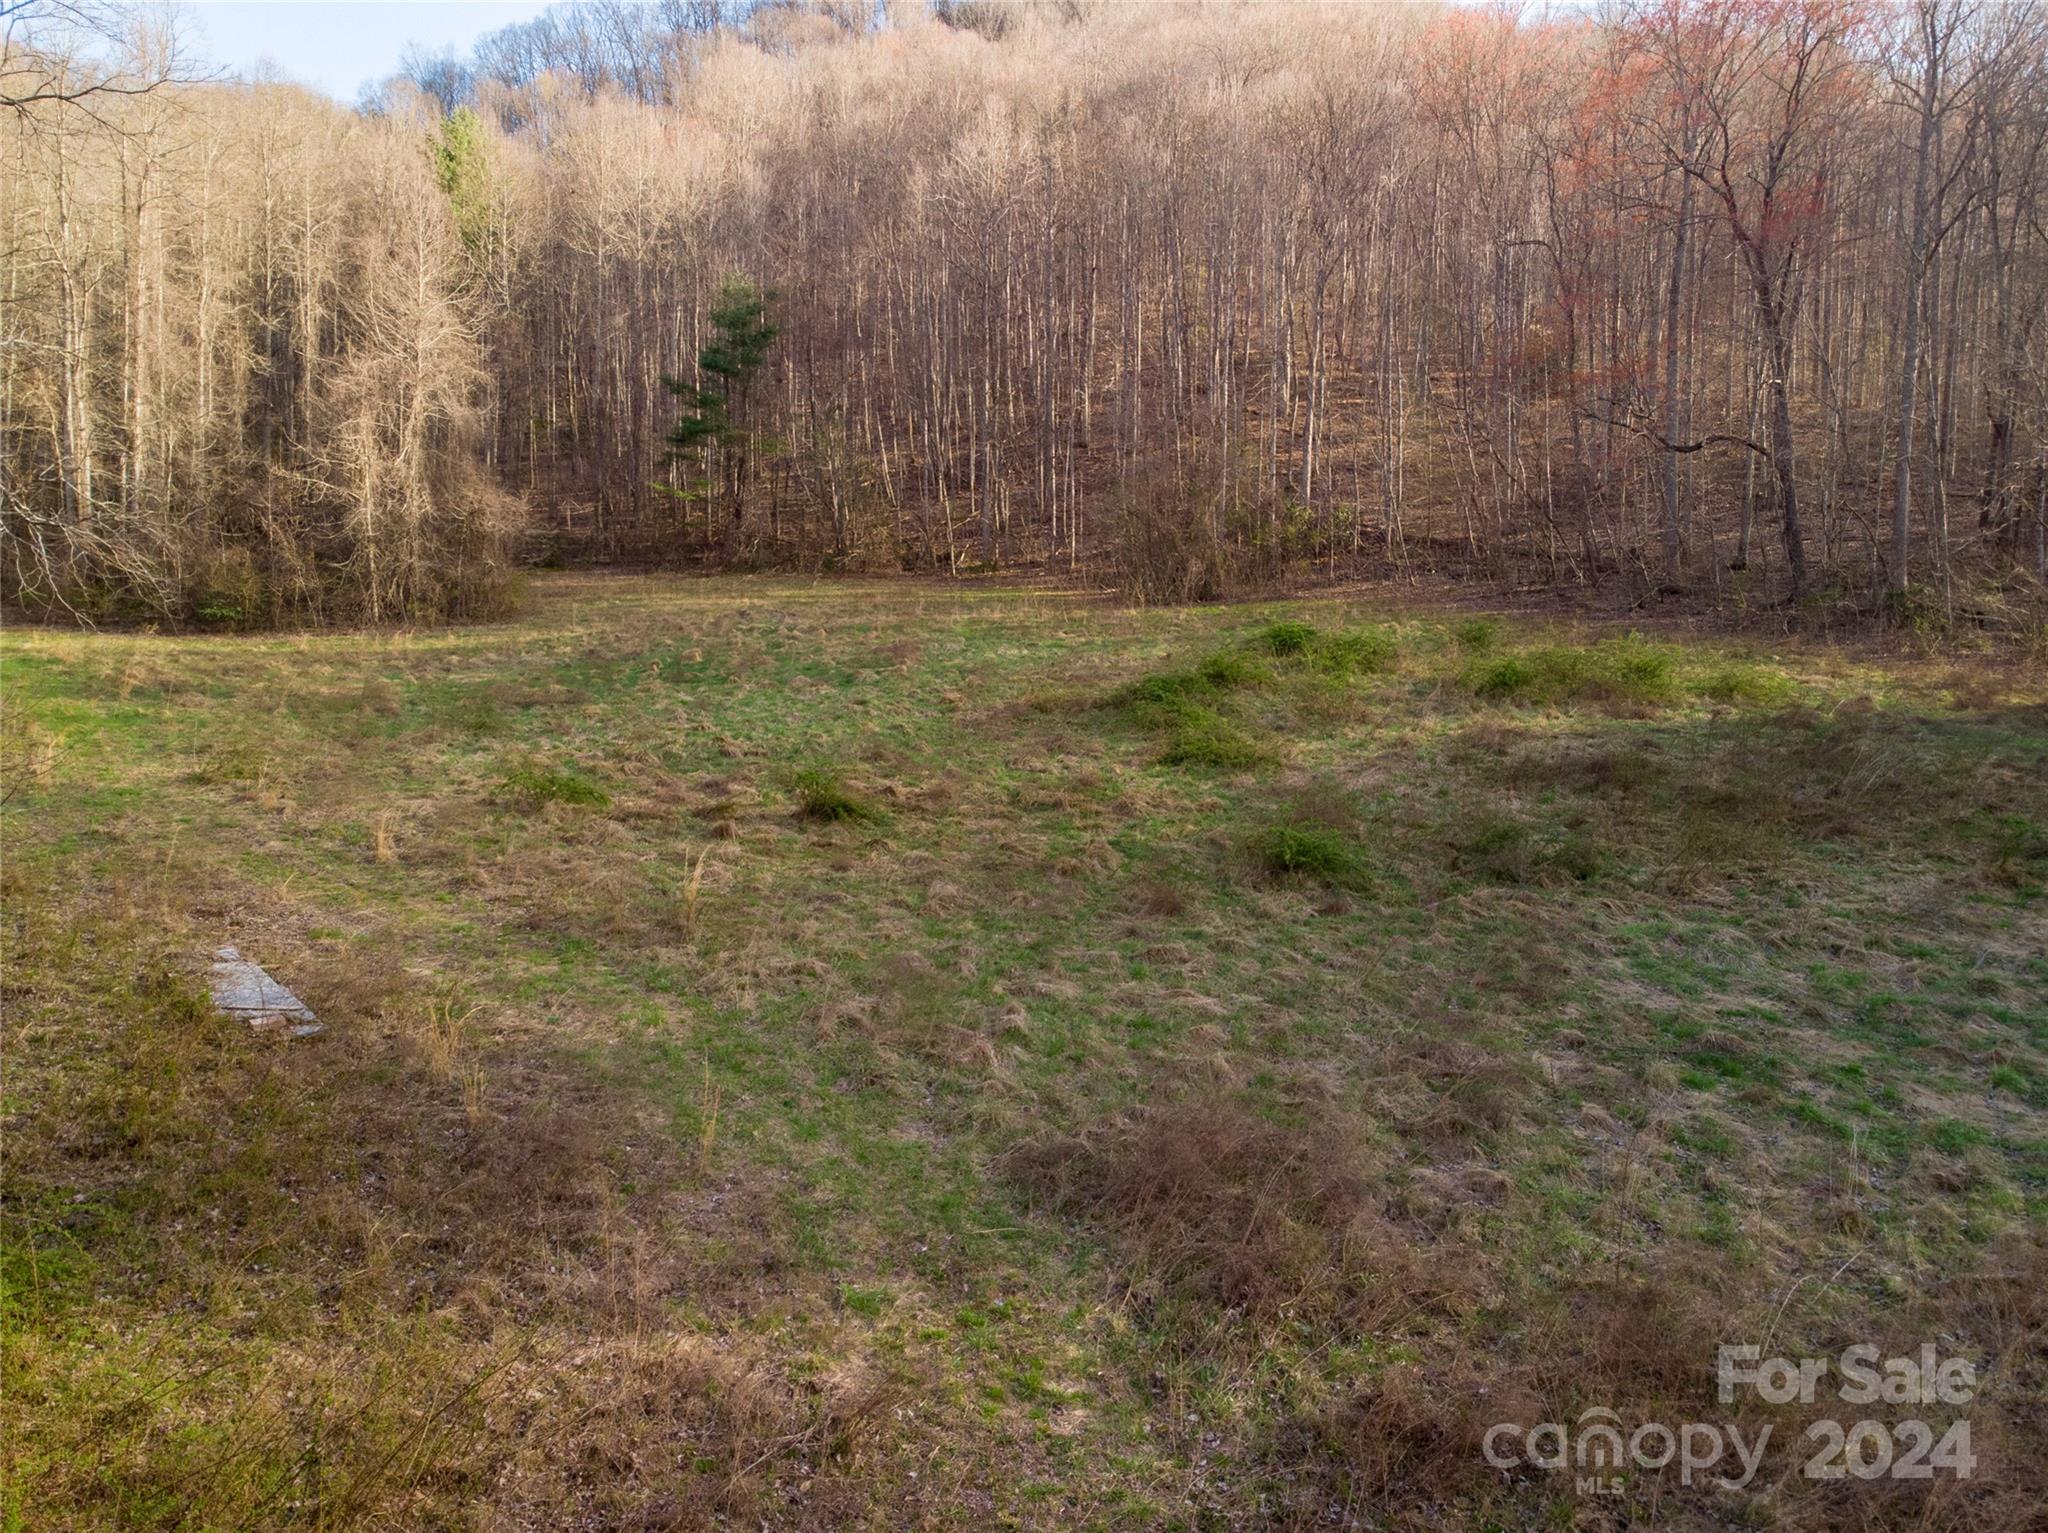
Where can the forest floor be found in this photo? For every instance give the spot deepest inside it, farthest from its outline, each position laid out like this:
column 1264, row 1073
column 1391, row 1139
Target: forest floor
column 881, row 1055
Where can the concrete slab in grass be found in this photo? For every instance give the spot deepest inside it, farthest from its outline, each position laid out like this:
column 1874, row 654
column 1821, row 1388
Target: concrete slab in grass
column 247, row 993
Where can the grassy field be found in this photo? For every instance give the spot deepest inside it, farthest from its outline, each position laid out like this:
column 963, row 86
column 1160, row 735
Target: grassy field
column 842, row 1055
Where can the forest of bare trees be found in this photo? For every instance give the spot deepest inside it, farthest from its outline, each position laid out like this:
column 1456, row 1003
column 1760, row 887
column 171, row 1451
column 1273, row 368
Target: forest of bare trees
column 240, row 373
column 1736, row 296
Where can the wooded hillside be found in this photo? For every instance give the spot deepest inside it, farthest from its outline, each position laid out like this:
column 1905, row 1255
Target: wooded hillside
column 1187, row 298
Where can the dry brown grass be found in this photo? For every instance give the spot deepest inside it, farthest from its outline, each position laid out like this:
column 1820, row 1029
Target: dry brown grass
column 1222, row 1211
column 674, row 1431
column 1408, row 1446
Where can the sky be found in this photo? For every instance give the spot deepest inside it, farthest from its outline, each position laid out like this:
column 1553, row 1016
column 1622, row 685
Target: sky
column 339, row 46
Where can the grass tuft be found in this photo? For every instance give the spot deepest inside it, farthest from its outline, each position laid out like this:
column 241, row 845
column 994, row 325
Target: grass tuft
column 1286, row 638
column 2018, row 847
column 823, row 798
column 1228, row 1213
column 1509, row 676
column 1743, row 681
column 1228, row 671
column 1202, row 737
column 1315, row 852
column 1498, row 848
column 1163, row 689
column 534, row 787
column 1626, row 670
column 1478, row 634
column 1361, row 652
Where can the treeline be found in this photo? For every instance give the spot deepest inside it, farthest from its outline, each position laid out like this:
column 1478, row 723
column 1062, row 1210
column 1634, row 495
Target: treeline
column 1690, row 293
column 1680, row 295
column 240, row 369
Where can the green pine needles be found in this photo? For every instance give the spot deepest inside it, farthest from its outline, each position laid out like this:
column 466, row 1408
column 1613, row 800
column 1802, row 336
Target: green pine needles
column 461, row 156
column 744, row 334
column 717, row 426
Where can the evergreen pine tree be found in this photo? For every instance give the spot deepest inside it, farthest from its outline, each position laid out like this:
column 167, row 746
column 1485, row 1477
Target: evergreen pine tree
column 462, row 169
column 718, row 413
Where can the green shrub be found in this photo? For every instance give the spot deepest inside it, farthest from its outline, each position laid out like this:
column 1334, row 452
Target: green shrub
column 1740, row 681
column 1286, row 638
column 1205, row 738
column 1509, row 676
column 822, row 797
column 220, row 612
column 1633, row 668
column 530, row 787
column 1164, row 689
column 1362, row 652
column 1614, row 670
column 1477, row 634
column 1177, row 703
column 1227, row 670
column 1314, row 851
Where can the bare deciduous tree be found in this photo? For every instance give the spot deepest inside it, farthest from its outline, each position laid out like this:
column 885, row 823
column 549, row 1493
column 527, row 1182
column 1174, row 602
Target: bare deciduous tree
column 1560, row 298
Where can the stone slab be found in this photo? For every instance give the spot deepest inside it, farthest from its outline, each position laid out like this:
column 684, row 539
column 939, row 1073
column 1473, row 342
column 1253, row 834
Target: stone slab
column 243, row 990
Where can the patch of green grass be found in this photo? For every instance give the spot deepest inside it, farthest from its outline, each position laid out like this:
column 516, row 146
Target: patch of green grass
column 1952, row 1136
column 869, row 1303
column 1505, row 677
column 1228, row 670
column 1201, row 737
column 823, row 797
column 1626, row 670
column 534, row 786
column 1704, row 1136
column 1578, row 856
column 1164, row 689
column 1743, row 681
column 1725, row 1064
column 1477, row 634
column 1809, row 1112
column 1286, row 638
column 1315, row 852
column 2018, row 845
column 1498, row 847
column 479, row 715
column 1358, row 652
